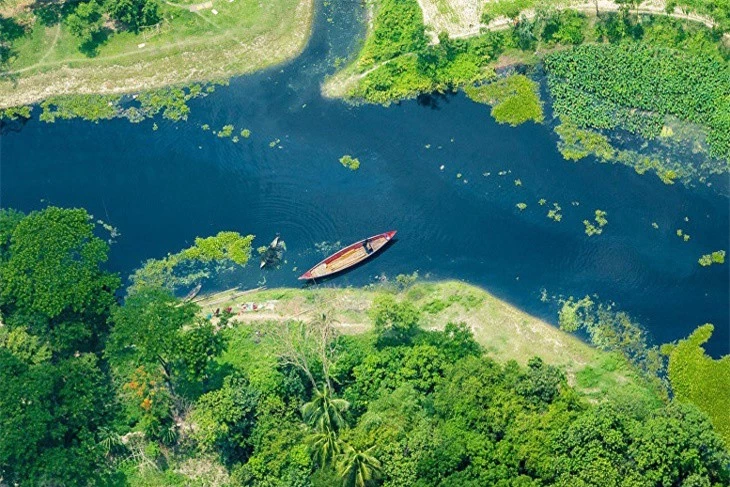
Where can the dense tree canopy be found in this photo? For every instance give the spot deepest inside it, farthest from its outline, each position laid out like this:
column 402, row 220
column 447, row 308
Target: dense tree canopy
column 55, row 398
column 134, row 13
column 166, row 397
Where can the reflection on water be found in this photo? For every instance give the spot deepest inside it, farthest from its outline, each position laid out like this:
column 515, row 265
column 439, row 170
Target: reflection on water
column 436, row 169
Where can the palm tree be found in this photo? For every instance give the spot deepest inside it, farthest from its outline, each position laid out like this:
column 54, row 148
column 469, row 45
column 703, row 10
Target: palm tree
column 325, row 447
column 357, row 468
column 325, row 413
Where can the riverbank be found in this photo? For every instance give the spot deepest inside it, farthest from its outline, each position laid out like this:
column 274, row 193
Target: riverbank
column 506, row 332
column 411, row 50
column 192, row 43
column 418, row 25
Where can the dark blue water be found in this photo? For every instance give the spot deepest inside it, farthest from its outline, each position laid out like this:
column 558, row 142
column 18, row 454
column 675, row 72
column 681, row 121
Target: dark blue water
column 163, row 188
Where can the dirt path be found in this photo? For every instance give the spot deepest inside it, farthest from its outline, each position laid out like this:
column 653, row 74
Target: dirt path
column 457, row 31
column 53, row 44
column 196, row 7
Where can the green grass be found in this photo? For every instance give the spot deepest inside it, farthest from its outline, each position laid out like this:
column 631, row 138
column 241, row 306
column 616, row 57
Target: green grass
column 505, row 331
column 186, row 46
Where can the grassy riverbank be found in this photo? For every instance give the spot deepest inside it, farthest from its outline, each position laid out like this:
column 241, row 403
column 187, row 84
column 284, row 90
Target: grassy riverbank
column 647, row 73
column 505, row 332
column 191, row 42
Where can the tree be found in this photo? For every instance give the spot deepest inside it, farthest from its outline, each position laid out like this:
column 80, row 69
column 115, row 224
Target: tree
column 396, row 323
column 50, row 419
column 86, row 22
column 325, row 446
column 325, row 413
column 155, row 328
column 309, row 346
column 9, row 219
column 224, row 419
column 52, row 279
column 357, row 468
column 135, row 13
column 541, row 384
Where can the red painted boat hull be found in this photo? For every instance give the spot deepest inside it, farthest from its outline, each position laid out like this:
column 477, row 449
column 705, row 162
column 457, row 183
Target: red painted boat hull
column 320, row 270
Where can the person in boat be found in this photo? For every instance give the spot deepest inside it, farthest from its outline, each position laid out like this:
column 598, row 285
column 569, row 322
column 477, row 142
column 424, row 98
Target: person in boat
column 368, row 246
column 274, row 253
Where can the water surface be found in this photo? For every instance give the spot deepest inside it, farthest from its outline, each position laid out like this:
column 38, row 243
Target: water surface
column 163, row 188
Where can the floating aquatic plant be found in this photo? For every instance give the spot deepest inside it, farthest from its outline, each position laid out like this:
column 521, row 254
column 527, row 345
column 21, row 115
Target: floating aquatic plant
column 717, row 257
column 352, row 163
column 226, row 131
column 555, row 214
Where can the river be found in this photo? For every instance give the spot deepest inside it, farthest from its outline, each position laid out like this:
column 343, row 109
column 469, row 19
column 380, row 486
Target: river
column 163, row 188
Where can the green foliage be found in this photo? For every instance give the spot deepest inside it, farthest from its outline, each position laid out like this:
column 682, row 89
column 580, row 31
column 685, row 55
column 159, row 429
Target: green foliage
column 226, row 131
column 171, row 101
column 52, row 281
column 180, row 268
column 87, row 107
column 645, row 78
column 699, row 379
column 245, row 133
column 357, row 468
column 395, row 322
column 718, row 10
column 600, row 223
column 86, row 21
column 612, row 331
column 154, row 328
column 397, row 29
column 161, row 352
column 562, row 27
column 576, row 143
column 514, row 99
column 14, row 113
column 27, row 348
column 717, row 257
column 400, row 405
column 397, row 61
column 50, row 419
column 224, row 419
column 324, row 412
column 134, row 13
column 352, row 163
column 404, row 281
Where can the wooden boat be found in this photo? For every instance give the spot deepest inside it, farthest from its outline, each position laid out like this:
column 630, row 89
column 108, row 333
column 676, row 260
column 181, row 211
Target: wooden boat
column 349, row 256
column 193, row 292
